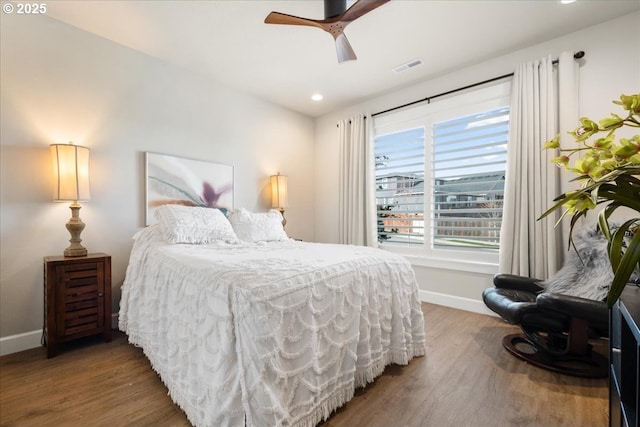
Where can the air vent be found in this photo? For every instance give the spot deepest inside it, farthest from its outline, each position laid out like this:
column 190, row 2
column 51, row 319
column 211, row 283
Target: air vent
column 407, row 65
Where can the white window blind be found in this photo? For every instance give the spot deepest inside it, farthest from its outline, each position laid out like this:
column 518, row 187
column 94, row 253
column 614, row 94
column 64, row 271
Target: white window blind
column 468, row 164
column 440, row 170
column 400, row 159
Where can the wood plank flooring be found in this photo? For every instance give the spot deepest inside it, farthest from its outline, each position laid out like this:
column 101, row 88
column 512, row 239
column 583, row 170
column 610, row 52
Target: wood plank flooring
column 466, row 379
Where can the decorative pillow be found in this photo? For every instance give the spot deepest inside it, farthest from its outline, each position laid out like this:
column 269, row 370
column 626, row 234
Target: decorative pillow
column 187, row 224
column 258, row 227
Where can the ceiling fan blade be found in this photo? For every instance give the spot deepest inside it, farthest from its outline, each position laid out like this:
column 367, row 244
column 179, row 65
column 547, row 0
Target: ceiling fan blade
column 283, row 18
column 333, row 25
column 344, row 49
column 359, row 8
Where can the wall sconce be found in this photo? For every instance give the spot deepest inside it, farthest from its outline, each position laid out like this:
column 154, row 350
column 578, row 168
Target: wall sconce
column 71, row 174
column 279, row 196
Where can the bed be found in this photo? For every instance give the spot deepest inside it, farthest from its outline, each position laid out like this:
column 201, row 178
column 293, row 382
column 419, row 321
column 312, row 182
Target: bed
column 267, row 333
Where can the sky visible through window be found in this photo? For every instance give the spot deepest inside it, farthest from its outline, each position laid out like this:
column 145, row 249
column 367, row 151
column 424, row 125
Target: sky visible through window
column 471, row 145
column 475, row 143
column 400, row 153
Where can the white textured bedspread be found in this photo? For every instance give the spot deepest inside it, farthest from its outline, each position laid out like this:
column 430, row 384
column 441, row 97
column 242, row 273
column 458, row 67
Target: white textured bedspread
column 276, row 334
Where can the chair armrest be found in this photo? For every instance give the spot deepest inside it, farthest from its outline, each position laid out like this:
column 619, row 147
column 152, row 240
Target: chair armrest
column 522, row 283
column 593, row 311
column 510, row 304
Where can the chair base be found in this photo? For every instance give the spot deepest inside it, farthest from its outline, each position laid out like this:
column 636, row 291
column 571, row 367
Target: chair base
column 589, row 365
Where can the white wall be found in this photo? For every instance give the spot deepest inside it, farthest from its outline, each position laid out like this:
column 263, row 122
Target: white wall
column 611, row 67
column 61, row 84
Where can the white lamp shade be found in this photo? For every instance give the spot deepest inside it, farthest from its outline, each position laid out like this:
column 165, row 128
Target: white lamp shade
column 70, row 172
column 279, row 196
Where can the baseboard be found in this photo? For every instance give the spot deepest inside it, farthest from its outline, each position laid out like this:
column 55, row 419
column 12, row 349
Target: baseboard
column 452, row 301
column 29, row 340
column 20, row 342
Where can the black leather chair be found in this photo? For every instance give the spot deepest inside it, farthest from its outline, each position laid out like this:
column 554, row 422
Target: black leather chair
column 556, row 328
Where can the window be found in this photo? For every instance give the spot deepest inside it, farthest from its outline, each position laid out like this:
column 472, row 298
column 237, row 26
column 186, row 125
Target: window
column 440, row 172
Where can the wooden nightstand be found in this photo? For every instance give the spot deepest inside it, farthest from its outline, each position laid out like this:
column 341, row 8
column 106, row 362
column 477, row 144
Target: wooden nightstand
column 77, row 298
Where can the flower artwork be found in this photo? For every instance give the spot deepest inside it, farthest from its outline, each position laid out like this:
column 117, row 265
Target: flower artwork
column 189, row 182
column 608, row 170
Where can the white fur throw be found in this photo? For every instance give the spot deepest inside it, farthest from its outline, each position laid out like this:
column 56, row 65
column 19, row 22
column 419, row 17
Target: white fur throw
column 587, row 275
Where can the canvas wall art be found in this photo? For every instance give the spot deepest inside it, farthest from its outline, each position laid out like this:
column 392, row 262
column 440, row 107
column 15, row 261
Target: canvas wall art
column 190, row 182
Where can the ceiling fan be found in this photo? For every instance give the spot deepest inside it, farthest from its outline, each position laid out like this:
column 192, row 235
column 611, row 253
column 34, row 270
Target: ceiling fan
column 337, row 17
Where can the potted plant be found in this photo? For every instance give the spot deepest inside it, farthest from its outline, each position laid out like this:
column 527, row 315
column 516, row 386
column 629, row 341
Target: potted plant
column 608, row 169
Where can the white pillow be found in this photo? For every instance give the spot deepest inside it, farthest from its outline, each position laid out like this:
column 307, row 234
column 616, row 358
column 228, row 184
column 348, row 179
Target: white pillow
column 258, row 227
column 188, row 224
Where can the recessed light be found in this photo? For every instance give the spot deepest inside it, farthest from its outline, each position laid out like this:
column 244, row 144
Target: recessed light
column 567, row 1
column 317, row 97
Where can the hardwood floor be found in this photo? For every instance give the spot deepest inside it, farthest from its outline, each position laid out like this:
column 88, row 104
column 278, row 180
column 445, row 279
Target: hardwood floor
column 466, row 379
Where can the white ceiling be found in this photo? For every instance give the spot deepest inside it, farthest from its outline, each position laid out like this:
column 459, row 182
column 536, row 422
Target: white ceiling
column 228, row 40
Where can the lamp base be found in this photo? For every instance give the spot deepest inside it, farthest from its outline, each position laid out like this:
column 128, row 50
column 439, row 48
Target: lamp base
column 284, row 220
column 75, row 227
column 75, row 252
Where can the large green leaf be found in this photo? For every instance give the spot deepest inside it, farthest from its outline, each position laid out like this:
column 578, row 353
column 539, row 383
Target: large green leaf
column 616, row 243
column 603, row 222
column 630, row 260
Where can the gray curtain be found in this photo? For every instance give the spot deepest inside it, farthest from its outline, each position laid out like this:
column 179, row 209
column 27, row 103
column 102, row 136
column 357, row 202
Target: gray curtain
column 543, row 104
column 357, row 205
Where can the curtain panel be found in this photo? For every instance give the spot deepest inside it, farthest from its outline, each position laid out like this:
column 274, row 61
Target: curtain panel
column 357, row 200
column 543, row 104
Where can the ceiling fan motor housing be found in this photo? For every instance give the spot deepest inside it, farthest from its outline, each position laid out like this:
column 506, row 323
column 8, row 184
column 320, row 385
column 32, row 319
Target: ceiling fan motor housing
column 334, row 8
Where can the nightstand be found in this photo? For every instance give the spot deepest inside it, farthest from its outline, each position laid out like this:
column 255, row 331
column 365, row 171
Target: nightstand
column 77, row 298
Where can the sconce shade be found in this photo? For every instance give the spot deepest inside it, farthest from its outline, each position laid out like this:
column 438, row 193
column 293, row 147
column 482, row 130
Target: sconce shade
column 70, row 172
column 279, row 196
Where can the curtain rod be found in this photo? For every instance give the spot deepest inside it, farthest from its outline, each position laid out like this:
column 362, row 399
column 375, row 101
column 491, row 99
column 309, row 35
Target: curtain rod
column 576, row 55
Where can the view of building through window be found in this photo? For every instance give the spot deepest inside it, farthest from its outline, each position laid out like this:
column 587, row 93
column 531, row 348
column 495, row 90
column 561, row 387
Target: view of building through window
column 400, row 161
column 464, row 161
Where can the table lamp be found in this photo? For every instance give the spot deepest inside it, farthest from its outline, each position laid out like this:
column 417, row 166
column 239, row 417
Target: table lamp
column 71, row 174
